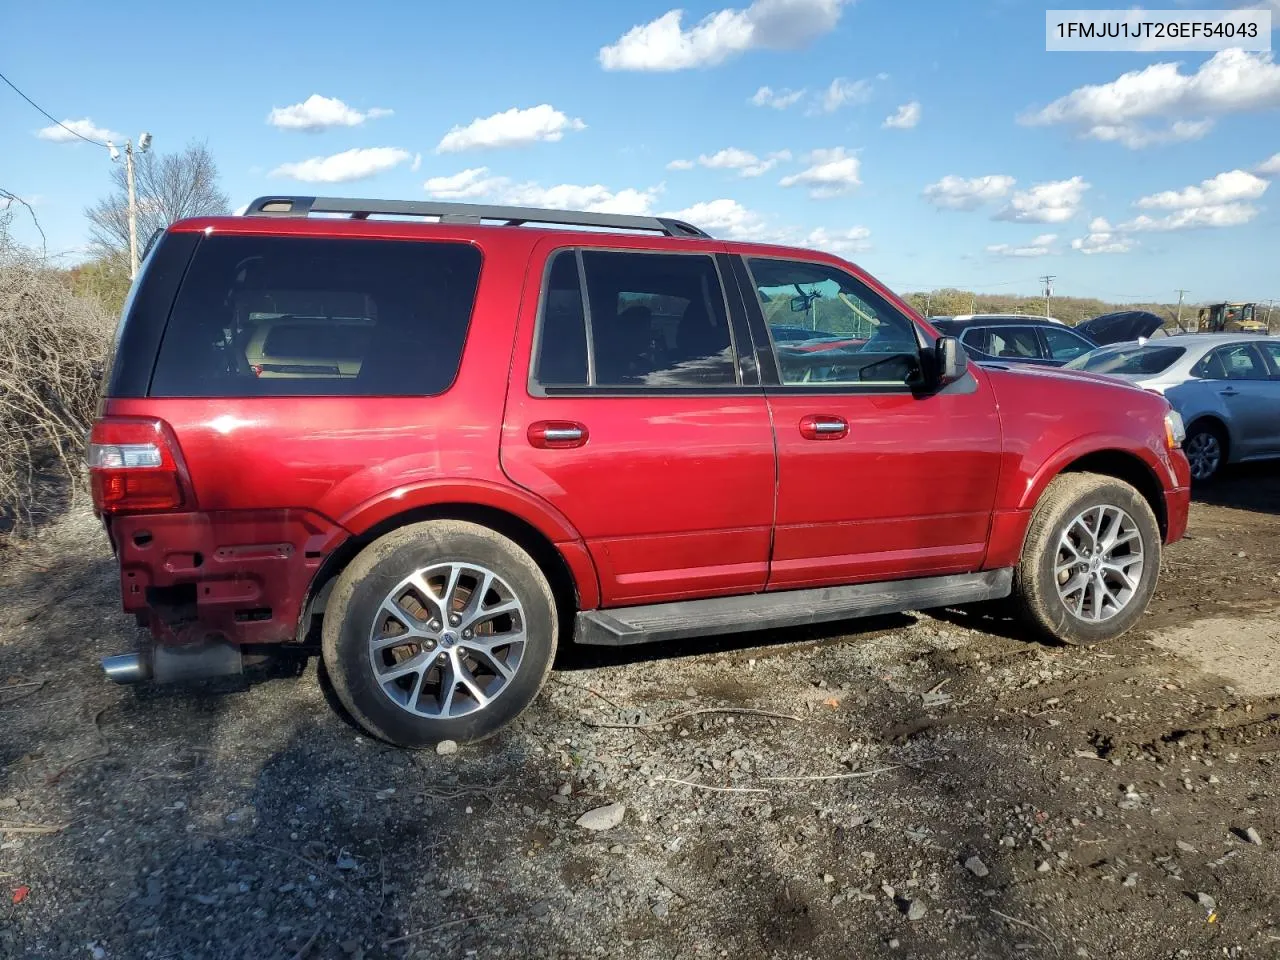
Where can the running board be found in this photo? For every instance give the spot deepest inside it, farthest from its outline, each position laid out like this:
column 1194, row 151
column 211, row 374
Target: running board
column 623, row 626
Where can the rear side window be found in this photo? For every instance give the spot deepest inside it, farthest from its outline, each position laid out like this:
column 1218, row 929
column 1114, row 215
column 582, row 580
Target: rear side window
column 647, row 320
column 1130, row 361
column 304, row 316
column 1013, row 343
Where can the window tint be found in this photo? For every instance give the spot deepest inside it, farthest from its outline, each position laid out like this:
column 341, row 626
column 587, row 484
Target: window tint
column 1064, row 345
column 654, row 320
column 295, row 316
column 562, row 346
column 1272, row 350
column 857, row 336
column 1239, row 362
column 1013, row 343
column 975, row 338
column 1129, row 360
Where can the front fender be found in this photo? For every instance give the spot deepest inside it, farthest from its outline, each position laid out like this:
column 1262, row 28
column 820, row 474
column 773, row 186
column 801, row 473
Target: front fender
column 1153, row 456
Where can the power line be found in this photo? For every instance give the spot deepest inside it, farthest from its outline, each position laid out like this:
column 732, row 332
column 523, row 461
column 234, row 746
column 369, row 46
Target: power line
column 96, row 143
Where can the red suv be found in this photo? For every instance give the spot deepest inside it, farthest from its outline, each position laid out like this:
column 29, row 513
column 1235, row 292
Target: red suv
column 434, row 440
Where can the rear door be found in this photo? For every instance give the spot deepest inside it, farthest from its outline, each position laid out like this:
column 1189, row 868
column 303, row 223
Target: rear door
column 875, row 480
column 630, row 411
column 1270, row 350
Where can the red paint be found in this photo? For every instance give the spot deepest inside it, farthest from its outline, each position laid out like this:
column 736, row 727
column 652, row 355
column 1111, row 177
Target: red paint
column 654, row 498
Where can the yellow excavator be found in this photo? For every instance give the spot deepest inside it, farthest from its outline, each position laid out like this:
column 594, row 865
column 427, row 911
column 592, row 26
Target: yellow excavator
column 1231, row 318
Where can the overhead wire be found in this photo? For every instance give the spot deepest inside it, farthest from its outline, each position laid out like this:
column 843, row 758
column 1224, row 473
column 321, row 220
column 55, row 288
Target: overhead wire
column 74, row 133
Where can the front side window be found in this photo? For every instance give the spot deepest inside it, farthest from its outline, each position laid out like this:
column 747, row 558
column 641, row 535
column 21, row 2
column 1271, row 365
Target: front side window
column 1236, row 362
column 1064, row 345
column 856, row 336
column 305, row 316
column 650, row 320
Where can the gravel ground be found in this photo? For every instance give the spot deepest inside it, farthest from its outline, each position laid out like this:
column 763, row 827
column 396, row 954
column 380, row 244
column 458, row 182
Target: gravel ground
column 916, row 785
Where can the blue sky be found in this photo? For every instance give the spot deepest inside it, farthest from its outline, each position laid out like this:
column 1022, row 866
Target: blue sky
column 999, row 165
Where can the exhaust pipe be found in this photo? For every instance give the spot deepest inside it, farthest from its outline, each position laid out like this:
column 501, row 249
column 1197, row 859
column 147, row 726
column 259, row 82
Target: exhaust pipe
column 126, row 668
column 176, row 664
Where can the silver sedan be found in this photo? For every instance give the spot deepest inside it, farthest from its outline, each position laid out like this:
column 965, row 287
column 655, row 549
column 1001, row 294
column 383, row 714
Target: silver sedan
column 1226, row 387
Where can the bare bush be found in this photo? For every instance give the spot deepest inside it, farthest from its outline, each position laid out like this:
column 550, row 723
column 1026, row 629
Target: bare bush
column 52, row 346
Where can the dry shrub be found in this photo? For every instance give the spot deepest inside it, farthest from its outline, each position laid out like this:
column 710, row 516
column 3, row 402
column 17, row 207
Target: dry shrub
column 52, row 347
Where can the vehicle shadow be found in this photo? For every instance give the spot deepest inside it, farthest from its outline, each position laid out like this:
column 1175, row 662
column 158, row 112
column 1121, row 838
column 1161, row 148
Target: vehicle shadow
column 1244, row 486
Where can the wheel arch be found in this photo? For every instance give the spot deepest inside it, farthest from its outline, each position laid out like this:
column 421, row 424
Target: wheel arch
column 1220, row 425
column 1133, row 470
column 573, row 584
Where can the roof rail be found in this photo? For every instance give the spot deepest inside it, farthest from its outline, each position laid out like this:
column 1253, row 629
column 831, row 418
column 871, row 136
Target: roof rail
column 275, row 206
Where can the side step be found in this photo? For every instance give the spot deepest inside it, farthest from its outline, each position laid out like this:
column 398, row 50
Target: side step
column 623, row 626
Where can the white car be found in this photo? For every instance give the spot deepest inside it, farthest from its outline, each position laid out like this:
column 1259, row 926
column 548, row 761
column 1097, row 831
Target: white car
column 1226, row 387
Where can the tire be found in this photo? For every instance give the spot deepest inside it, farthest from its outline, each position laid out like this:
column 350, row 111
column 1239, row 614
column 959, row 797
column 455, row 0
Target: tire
column 1101, row 609
column 416, row 565
column 1206, row 448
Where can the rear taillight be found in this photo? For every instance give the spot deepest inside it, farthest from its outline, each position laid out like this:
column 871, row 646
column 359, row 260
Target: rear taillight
column 133, row 466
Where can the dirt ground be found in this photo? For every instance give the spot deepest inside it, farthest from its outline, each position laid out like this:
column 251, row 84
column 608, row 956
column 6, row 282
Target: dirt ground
column 923, row 785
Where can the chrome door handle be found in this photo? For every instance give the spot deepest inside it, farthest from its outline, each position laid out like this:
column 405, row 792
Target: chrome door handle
column 823, row 427
column 829, row 426
column 557, row 434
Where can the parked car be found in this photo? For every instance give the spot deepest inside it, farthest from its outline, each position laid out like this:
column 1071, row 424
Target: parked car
column 1226, row 387
column 1122, row 326
column 570, row 434
column 1017, row 339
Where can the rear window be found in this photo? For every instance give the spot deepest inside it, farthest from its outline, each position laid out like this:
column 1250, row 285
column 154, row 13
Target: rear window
column 304, row 316
column 1129, row 361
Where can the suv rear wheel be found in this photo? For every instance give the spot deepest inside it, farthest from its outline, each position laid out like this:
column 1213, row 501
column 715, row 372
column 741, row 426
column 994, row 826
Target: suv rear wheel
column 441, row 630
column 1090, row 561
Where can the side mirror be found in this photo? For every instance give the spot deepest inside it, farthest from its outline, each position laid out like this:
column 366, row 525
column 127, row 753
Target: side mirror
column 800, row 304
column 950, row 360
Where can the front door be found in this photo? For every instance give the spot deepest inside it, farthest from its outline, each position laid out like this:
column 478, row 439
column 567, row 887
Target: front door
column 876, row 480
column 629, row 410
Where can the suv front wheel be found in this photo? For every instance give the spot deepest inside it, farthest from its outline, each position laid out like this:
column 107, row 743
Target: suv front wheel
column 1090, row 561
column 441, row 630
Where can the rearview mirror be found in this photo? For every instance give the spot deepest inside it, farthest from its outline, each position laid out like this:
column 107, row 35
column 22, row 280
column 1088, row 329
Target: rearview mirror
column 800, row 304
column 951, row 361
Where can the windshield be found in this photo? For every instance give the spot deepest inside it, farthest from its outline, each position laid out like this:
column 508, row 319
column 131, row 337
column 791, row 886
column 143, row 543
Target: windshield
column 1129, row 361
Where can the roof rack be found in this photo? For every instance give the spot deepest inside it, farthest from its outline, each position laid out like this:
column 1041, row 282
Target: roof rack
column 474, row 213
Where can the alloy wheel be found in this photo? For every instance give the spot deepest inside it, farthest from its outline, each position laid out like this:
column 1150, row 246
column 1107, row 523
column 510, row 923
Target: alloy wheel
column 447, row 640
column 1099, row 563
column 1204, row 452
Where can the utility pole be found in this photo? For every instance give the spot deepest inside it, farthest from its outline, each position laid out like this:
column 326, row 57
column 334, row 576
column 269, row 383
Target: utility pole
column 144, row 143
column 1181, row 294
column 1048, row 291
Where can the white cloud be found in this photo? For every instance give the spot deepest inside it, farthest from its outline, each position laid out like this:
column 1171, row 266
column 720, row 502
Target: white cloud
column 318, row 113
column 665, row 44
column 831, row 172
column 958, row 193
column 1230, row 81
column 1051, row 202
column 842, row 92
column 355, row 164
column 724, row 218
column 510, row 128
column 86, row 128
column 840, row 242
column 1039, row 247
column 906, row 117
column 417, row 162
column 1269, row 168
column 477, row 183
column 1225, row 188
column 1102, row 238
column 731, row 158
column 777, row 99
column 1136, row 137
column 1221, row 215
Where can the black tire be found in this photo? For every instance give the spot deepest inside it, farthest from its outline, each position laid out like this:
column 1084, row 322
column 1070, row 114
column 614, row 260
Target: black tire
column 357, row 598
column 1036, row 594
column 1206, row 437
